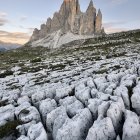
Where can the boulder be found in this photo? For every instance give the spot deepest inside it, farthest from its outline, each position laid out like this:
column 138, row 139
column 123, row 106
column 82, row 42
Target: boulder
column 135, row 99
column 22, row 137
column 58, row 122
column 46, row 106
column 54, row 115
column 7, row 114
column 131, row 128
column 77, row 127
column 63, row 92
column 101, row 83
column 29, row 114
column 102, row 108
column 37, row 132
column 115, row 112
column 102, row 129
column 94, row 92
column 37, row 97
column 93, row 105
column 67, row 101
column 23, row 99
column 90, row 83
column 82, row 93
column 122, row 91
column 23, row 128
column 74, row 108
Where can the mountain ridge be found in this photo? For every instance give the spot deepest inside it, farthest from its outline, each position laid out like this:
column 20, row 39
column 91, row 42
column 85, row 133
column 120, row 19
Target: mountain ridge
column 8, row 45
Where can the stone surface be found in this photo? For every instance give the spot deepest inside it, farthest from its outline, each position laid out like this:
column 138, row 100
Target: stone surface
column 115, row 112
column 77, row 127
column 46, row 106
column 131, row 128
column 82, row 94
column 6, row 114
column 102, row 129
column 58, row 123
column 52, row 116
column 122, row 91
column 135, row 99
column 76, row 101
column 37, row 132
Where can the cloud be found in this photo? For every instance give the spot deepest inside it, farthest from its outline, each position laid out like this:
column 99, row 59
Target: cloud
column 29, row 30
column 23, row 18
column 112, row 27
column 113, row 23
column 118, row 2
column 114, row 30
column 14, row 37
column 3, row 19
column 3, row 14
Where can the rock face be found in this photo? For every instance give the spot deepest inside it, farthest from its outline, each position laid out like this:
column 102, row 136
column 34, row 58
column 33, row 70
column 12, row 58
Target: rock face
column 70, row 19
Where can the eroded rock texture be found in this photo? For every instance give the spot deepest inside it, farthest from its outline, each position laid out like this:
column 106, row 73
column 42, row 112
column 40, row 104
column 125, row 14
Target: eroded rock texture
column 88, row 99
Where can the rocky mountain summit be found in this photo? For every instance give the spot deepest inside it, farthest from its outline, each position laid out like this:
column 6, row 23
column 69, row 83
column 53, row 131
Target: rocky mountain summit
column 67, row 25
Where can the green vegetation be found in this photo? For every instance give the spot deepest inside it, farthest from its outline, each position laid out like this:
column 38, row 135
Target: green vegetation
column 24, row 111
column 93, row 49
column 9, row 128
column 3, row 103
column 35, row 60
column 57, row 66
column 6, row 73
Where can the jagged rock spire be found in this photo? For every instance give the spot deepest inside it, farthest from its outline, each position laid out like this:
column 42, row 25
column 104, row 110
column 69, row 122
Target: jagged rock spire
column 70, row 19
column 90, row 4
column 88, row 20
column 99, row 22
column 91, row 10
column 70, row 6
column 99, row 13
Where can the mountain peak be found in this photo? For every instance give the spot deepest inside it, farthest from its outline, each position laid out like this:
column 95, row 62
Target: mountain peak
column 91, row 3
column 68, row 0
column 91, row 8
column 70, row 19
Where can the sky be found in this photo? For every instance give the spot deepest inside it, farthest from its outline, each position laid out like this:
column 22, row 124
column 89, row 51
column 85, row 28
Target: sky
column 18, row 18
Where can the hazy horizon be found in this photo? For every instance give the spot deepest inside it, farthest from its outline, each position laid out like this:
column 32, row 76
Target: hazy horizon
column 19, row 18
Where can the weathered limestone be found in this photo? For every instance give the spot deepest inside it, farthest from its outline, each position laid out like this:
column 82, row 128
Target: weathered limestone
column 131, row 128
column 102, row 129
column 77, row 127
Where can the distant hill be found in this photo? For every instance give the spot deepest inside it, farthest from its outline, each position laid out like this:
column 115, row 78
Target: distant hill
column 2, row 49
column 8, row 46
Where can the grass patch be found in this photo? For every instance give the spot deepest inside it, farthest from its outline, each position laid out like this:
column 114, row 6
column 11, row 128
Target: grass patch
column 6, row 73
column 57, row 66
column 3, row 103
column 9, row 128
column 35, row 60
column 100, row 71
